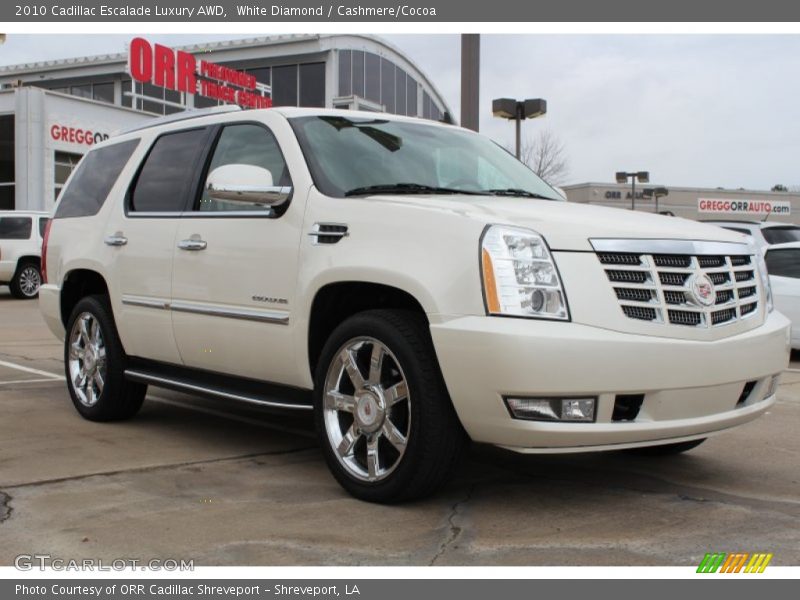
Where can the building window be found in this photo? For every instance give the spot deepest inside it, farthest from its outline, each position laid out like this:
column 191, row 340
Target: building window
column 262, row 75
column 412, row 108
column 400, row 90
column 372, row 77
column 82, row 91
column 65, row 163
column 6, row 162
column 284, row 85
column 387, row 85
column 312, row 85
column 358, row 73
column 345, row 73
column 104, row 92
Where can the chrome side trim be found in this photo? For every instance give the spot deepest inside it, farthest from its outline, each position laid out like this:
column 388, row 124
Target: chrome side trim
column 694, row 247
column 143, row 377
column 145, row 302
column 264, row 316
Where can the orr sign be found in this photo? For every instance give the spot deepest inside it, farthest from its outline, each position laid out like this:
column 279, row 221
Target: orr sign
column 180, row 71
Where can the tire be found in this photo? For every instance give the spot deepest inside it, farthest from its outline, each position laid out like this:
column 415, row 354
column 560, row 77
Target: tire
column 666, row 449
column 94, row 362
column 364, row 412
column 26, row 281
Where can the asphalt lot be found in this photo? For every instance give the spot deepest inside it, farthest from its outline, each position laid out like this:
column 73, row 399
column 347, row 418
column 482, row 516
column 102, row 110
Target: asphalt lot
column 230, row 485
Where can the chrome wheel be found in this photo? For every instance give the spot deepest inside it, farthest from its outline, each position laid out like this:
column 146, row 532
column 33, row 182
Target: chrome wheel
column 29, row 281
column 366, row 409
column 87, row 359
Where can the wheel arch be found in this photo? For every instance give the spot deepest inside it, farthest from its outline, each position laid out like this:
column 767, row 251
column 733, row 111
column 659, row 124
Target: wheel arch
column 337, row 301
column 78, row 284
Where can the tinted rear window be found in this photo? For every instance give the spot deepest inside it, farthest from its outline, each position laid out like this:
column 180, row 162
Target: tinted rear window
column 96, row 174
column 163, row 182
column 784, row 263
column 781, row 235
column 15, row 228
column 42, row 226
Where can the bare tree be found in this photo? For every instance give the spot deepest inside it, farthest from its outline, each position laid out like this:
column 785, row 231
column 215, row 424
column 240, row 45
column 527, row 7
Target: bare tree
column 545, row 154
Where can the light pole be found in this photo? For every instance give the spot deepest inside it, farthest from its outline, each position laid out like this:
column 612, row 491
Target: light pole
column 656, row 193
column 517, row 110
column 642, row 176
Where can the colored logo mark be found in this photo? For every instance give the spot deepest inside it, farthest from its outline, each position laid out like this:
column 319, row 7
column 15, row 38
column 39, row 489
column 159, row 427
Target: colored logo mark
column 736, row 562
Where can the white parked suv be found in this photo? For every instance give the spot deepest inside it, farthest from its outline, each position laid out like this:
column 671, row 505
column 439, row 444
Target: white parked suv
column 20, row 251
column 783, row 264
column 409, row 282
column 764, row 233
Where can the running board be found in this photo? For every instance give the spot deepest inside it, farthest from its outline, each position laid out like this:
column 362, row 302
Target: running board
column 214, row 385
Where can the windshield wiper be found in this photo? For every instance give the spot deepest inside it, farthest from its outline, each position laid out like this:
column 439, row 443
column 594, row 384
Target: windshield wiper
column 518, row 193
column 406, row 188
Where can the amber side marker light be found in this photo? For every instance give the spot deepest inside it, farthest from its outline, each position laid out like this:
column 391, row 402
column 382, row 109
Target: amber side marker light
column 489, row 283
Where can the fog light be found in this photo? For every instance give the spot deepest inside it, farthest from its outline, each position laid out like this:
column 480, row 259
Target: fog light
column 772, row 388
column 577, row 409
column 552, row 409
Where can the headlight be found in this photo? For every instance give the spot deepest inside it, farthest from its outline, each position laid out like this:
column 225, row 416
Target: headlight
column 762, row 271
column 520, row 278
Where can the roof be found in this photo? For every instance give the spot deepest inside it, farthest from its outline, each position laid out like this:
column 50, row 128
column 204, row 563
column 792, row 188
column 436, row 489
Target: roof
column 23, row 213
column 760, row 224
column 122, row 57
column 784, row 246
column 789, row 196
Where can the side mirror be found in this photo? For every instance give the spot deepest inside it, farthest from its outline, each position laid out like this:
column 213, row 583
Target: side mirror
column 246, row 184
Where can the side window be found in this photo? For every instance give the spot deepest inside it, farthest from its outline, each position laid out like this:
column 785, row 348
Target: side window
column 15, row 228
column 90, row 184
column 245, row 144
column 784, row 263
column 42, row 226
column 165, row 177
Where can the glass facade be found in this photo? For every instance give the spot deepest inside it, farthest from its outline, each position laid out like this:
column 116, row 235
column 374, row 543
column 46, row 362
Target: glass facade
column 363, row 74
column 6, row 162
column 379, row 80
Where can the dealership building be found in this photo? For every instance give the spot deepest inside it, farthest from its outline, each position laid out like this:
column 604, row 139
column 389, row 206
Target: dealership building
column 691, row 202
column 52, row 112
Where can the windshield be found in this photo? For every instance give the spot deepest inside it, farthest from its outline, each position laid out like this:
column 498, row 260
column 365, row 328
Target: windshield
column 781, row 235
column 359, row 156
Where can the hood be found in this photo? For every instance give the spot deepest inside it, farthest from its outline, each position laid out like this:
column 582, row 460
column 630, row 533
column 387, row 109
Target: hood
column 565, row 225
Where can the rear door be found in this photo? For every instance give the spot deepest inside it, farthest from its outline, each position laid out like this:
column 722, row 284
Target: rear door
column 235, row 267
column 143, row 238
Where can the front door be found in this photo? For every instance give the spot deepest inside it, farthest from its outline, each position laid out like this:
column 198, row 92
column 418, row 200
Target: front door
column 235, row 269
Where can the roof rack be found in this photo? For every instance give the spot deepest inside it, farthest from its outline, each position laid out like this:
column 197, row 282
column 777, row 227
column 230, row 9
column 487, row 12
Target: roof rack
column 184, row 116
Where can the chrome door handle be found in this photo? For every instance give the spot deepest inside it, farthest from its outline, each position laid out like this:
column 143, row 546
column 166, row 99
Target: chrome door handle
column 115, row 240
column 192, row 244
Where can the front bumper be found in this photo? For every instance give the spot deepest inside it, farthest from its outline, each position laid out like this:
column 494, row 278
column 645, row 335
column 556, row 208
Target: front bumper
column 690, row 388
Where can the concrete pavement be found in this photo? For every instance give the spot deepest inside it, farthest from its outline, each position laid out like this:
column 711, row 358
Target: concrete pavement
column 232, row 485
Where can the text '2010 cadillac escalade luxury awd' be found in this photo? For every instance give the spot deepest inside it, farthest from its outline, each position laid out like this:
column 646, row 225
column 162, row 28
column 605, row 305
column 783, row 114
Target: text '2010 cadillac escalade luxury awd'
column 410, row 282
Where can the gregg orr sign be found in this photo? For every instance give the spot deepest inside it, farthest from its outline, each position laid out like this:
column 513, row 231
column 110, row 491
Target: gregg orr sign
column 745, row 207
column 180, row 71
column 76, row 135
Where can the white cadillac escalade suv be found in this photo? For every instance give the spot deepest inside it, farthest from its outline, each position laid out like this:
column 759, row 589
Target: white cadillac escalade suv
column 409, row 282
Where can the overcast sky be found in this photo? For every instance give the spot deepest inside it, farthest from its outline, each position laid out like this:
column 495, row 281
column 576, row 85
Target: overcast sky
column 694, row 110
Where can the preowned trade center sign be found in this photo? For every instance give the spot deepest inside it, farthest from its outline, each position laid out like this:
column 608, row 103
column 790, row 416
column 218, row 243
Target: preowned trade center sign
column 180, row 71
column 743, row 207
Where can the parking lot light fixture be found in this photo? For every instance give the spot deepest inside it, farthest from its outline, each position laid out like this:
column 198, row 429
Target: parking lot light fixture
column 641, row 176
column 518, row 110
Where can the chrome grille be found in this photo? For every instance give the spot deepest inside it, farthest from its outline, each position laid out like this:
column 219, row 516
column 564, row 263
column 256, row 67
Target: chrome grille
column 659, row 287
